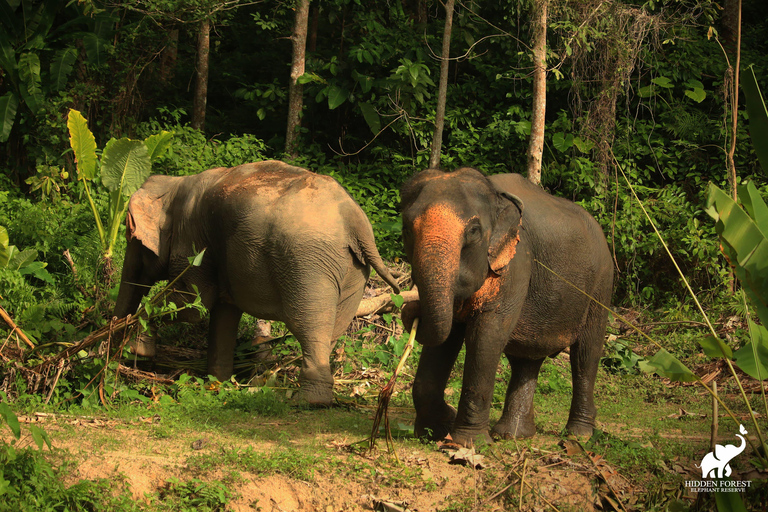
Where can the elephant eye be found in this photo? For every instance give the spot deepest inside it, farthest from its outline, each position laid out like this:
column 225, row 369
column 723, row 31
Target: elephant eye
column 473, row 232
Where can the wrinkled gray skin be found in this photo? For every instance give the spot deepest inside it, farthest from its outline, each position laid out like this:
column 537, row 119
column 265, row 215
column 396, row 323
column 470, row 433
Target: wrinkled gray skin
column 281, row 243
column 473, row 262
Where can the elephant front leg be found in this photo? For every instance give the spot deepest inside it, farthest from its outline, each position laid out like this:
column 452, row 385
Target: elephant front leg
column 517, row 420
column 482, row 360
column 434, row 417
column 222, row 337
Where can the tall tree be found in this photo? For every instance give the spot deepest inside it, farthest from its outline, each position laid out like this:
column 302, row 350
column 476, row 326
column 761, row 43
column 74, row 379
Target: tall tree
column 442, row 94
column 201, row 83
column 295, row 100
column 536, row 143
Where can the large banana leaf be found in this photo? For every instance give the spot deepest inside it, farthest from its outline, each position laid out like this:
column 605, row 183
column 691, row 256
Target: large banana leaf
column 83, row 144
column 758, row 116
column 29, row 75
column 744, row 242
column 125, row 165
column 9, row 104
column 61, row 67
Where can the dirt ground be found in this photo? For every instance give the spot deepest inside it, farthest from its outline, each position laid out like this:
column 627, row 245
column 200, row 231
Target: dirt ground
column 555, row 475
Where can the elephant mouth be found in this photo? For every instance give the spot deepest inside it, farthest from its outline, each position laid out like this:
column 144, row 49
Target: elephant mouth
column 476, row 303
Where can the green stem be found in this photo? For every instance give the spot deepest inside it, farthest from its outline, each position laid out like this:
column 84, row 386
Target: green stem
column 99, row 225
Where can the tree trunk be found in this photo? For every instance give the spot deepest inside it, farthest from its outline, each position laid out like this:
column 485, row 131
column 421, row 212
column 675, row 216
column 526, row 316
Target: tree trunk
column 437, row 139
column 295, row 100
column 536, row 144
column 201, row 84
column 732, row 178
column 169, row 55
column 731, row 23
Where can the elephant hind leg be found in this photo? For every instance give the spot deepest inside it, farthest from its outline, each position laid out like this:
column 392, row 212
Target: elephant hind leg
column 517, row 420
column 585, row 359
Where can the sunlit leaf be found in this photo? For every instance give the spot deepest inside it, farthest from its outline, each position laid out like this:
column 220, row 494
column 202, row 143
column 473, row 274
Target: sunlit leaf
column 753, row 356
column 158, row 144
column 663, row 81
column 666, row 365
column 125, row 165
column 83, row 144
column 10, row 419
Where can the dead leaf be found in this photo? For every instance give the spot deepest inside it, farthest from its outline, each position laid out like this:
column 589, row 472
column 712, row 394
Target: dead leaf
column 571, row 447
column 467, row 457
column 389, row 506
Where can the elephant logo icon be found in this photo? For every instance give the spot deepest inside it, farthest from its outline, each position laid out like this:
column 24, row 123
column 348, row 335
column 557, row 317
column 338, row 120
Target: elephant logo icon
column 716, row 464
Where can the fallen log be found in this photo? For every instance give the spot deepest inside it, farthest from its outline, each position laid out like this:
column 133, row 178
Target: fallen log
column 383, row 303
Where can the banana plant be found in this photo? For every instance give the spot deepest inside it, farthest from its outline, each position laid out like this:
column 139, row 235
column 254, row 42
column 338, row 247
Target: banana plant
column 124, row 165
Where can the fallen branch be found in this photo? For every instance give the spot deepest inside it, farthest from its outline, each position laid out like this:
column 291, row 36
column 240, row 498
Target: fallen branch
column 384, row 302
column 14, row 328
column 386, row 394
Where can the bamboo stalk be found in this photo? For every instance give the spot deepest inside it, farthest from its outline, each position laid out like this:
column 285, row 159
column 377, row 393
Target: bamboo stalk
column 15, row 328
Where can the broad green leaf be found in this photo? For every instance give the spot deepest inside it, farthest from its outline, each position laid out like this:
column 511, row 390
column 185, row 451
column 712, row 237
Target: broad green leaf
column 5, row 252
column 9, row 104
column 562, row 141
column 755, row 206
column 83, row 144
column 158, row 144
column 40, row 437
column 94, row 48
column 745, row 246
column 584, row 146
column 125, row 165
column 22, row 258
column 665, row 364
column 397, row 300
column 715, row 347
column 371, row 117
column 663, row 81
column 10, row 419
column 37, row 269
column 697, row 95
column 8, row 57
column 336, row 96
column 753, row 356
column 29, row 75
column 758, row 116
column 647, row 91
column 729, row 502
column 61, row 67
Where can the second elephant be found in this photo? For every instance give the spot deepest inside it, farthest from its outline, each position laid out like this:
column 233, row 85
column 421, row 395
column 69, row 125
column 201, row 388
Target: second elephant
column 282, row 243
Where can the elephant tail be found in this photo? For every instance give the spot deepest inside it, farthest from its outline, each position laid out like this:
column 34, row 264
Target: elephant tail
column 364, row 248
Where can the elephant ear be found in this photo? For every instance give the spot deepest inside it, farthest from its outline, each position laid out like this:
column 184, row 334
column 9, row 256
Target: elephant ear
column 506, row 232
column 148, row 215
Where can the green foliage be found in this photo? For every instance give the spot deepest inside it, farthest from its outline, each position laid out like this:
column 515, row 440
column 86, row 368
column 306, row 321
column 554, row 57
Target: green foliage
column 194, row 495
column 125, row 164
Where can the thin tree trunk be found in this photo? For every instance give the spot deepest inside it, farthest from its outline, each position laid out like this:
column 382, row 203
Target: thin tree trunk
column 437, row 139
column 536, row 144
column 735, row 104
column 201, row 84
column 295, row 100
column 169, row 56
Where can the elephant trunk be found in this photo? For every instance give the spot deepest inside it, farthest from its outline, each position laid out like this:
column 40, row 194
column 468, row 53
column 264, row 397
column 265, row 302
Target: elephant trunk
column 435, row 270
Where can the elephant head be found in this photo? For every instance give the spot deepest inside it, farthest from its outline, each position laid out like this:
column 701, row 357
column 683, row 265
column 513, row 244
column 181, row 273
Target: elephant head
column 460, row 234
column 148, row 231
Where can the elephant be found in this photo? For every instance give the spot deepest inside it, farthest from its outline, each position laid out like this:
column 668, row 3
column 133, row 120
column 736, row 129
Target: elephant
column 282, row 243
column 716, row 463
column 499, row 265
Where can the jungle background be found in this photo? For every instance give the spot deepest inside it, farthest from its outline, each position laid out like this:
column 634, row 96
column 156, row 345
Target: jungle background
column 640, row 87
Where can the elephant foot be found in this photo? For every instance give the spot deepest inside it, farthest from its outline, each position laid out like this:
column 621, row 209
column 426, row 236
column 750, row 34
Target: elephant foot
column 519, row 430
column 580, row 428
column 144, row 346
column 469, row 438
column 435, row 426
column 316, row 393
